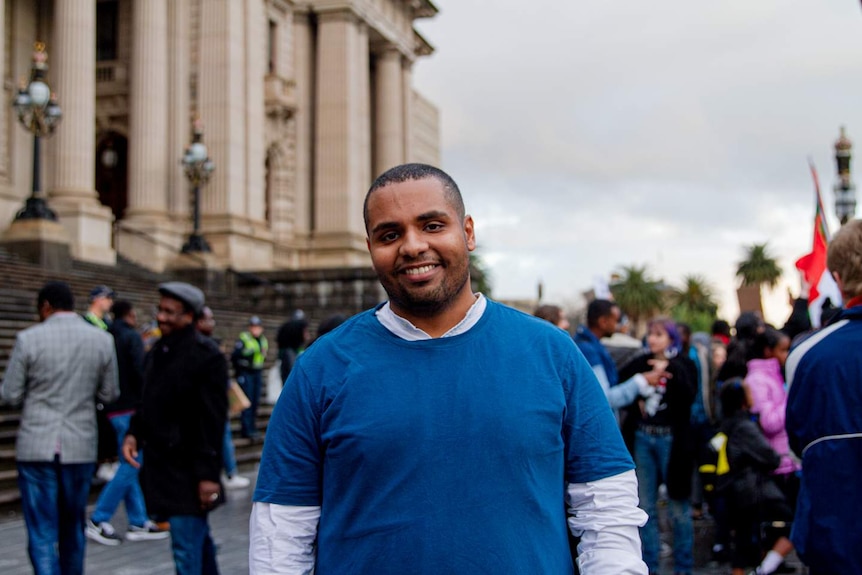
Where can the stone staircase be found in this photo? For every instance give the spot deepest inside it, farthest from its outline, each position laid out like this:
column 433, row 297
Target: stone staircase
column 19, row 284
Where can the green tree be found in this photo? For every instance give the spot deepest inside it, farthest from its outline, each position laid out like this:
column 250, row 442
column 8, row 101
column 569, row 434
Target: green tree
column 696, row 295
column 638, row 295
column 694, row 303
column 759, row 267
column 480, row 278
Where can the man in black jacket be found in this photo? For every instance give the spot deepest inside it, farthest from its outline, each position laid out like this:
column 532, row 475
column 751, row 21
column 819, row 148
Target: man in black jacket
column 124, row 486
column 180, row 425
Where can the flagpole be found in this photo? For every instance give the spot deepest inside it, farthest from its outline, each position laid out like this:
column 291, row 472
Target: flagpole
column 819, row 199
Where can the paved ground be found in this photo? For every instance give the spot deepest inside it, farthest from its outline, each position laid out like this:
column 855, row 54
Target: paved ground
column 229, row 526
column 230, row 531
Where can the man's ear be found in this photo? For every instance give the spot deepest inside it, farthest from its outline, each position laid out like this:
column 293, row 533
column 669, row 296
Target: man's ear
column 838, row 281
column 469, row 233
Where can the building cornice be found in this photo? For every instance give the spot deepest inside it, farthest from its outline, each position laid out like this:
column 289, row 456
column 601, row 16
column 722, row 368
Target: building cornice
column 424, row 9
column 409, row 43
column 421, row 46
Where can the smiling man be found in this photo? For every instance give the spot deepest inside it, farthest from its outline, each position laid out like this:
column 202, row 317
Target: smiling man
column 180, row 426
column 440, row 432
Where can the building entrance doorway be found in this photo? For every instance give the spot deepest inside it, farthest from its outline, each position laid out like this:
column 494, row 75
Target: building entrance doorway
column 112, row 173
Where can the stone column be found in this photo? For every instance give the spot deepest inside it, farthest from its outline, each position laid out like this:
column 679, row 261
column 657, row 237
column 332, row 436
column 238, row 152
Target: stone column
column 231, row 69
column 363, row 57
column 148, row 116
column 5, row 109
column 179, row 108
column 304, row 76
column 407, row 91
column 147, row 234
column 256, row 25
column 221, row 101
column 72, row 157
column 339, row 235
column 389, row 107
column 72, row 57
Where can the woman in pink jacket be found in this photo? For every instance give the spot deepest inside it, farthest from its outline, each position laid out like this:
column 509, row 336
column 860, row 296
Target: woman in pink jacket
column 765, row 381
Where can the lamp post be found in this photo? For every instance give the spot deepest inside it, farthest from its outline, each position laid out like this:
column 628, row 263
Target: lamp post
column 198, row 168
column 39, row 112
column 845, row 189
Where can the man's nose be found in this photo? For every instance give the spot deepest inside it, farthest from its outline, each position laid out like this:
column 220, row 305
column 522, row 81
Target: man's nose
column 413, row 243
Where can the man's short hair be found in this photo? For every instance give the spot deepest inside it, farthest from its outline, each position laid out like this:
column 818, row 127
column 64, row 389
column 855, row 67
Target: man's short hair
column 122, row 308
column 597, row 309
column 413, row 172
column 845, row 257
column 549, row 313
column 720, row 327
column 58, row 295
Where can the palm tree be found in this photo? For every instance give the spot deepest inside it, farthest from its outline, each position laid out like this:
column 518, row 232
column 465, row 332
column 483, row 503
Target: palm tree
column 637, row 295
column 695, row 295
column 757, row 269
column 694, row 304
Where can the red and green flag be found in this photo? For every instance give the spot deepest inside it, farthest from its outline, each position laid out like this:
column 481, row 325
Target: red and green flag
column 821, row 284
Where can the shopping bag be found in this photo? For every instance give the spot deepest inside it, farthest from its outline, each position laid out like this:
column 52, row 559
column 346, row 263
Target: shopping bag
column 273, row 383
column 236, row 399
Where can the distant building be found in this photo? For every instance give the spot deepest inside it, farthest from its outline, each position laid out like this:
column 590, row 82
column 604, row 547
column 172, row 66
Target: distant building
column 302, row 102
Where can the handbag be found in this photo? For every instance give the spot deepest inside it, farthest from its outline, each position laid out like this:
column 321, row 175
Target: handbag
column 237, row 400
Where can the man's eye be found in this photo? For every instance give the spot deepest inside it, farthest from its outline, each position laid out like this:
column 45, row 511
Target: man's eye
column 388, row 237
column 434, row 226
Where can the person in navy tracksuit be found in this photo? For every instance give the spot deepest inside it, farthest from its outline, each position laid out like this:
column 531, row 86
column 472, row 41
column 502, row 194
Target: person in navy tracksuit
column 824, row 422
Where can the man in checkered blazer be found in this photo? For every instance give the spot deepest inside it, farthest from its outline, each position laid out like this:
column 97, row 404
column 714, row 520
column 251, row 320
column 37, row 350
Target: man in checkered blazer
column 57, row 370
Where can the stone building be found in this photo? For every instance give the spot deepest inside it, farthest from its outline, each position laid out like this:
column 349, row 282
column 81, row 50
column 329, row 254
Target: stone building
column 303, row 102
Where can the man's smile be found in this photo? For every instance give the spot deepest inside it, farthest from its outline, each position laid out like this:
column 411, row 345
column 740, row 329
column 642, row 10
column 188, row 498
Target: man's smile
column 421, row 270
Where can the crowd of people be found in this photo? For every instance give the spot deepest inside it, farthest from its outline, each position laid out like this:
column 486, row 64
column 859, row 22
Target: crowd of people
column 98, row 387
column 726, row 395
column 443, row 432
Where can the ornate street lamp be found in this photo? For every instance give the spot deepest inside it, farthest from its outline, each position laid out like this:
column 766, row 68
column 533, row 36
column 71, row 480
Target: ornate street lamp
column 845, row 189
column 40, row 114
column 198, row 168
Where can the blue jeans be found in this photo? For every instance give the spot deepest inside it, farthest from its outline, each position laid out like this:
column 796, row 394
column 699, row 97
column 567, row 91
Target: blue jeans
column 194, row 551
column 124, row 486
column 250, row 381
column 228, row 452
column 652, row 454
column 54, row 499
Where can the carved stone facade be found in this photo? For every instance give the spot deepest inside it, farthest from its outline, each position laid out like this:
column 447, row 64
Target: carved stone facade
column 302, row 103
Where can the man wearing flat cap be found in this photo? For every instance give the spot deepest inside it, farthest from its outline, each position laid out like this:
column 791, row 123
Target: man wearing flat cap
column 179, row 426
column 248, row 357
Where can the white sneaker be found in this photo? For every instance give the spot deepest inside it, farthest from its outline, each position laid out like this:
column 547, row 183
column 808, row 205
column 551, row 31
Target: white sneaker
column 102, row 533
column 236, row 482
column 149, row 532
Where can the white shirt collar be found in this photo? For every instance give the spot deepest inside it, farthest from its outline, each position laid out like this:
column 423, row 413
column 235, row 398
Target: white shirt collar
column 407, row 331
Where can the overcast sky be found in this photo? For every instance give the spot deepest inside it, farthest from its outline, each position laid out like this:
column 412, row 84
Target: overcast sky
column 590, row 135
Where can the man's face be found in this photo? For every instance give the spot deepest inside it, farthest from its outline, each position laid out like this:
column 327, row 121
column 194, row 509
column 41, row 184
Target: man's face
column 206, row 322
column 102, row 305
column 419, row 247
column 608, row 323
column 172, row 316
column 256, row 330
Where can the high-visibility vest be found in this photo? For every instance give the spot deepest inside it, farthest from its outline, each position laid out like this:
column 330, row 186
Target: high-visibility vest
column 255, row 348
column 95, row 320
